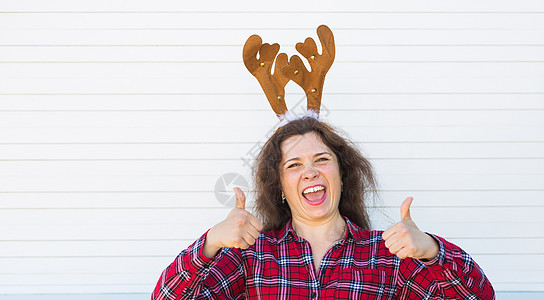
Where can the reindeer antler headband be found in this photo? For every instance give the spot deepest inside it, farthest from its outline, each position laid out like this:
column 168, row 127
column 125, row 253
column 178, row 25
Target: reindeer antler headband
column 274, row 84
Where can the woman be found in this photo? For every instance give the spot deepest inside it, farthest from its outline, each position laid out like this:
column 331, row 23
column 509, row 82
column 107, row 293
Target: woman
column 314, row 241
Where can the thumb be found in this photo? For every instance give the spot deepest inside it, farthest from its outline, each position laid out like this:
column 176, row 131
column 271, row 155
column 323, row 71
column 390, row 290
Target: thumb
column 240, row 198
column 405, row 209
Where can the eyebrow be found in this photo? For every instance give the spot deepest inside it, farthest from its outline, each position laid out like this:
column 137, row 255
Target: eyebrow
column 315, row 155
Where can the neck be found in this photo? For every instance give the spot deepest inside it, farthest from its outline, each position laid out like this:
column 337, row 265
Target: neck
column 330, row 229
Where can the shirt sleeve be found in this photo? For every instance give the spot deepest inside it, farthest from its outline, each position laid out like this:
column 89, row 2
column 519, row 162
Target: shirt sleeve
column 452, row 274
column 192, row 275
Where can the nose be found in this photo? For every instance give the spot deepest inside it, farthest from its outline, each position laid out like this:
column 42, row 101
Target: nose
column 310, row 173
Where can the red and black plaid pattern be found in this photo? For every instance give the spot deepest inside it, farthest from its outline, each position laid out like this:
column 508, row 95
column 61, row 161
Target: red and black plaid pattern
column 280, row 266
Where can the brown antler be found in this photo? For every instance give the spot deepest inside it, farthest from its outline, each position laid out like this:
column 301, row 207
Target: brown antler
column 312, row 82
column 273, row 84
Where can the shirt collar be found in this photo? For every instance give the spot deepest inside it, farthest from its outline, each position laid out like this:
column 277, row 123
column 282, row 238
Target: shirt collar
column 352, row 231
column 287, row 230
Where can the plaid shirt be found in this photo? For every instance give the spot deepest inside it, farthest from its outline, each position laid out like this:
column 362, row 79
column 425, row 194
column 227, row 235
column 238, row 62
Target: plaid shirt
column 280, row 266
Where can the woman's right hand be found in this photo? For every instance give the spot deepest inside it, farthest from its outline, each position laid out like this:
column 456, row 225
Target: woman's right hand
column 239, row 230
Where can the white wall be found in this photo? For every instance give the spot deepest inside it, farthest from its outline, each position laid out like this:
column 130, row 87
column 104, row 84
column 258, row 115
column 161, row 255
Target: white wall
column 118, row 117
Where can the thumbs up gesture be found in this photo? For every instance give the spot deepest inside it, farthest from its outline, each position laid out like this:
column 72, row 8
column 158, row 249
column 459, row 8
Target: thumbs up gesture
column 239, row 230
column 404, row 239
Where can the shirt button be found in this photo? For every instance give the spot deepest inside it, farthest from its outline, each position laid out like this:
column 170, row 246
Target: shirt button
column 314, row 294
column 336, row 247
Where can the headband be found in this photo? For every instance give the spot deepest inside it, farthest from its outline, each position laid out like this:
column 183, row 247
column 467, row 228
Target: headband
column 293, row 69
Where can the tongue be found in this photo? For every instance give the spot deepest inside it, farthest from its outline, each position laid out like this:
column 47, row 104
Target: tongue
column 315, row 195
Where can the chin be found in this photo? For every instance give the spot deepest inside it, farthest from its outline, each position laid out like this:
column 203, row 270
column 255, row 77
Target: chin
column 318, row 211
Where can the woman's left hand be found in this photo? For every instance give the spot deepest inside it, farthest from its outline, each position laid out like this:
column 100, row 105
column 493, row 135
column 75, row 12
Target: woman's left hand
column 404, row 239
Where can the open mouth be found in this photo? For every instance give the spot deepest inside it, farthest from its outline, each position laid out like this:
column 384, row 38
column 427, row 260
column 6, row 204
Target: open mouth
column 315, row 195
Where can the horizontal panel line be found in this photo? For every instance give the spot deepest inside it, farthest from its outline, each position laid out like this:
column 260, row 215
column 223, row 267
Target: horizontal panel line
column 224, row 207
column 132, row 284
column 489, row 238
column 265, row 110
column 138, row 285
column 166, row 256
column 237, row 62
column 192, row 240
column 252, row 159
column 240, row 45
column 164, row 207
column 253, row 94
column 269, row 12
column 96, row 256
column 189, row 240
column 453, row 126
column 253, row 142
column 208, row 191
column 272, row 29
column 108, row 240
column 60, row 273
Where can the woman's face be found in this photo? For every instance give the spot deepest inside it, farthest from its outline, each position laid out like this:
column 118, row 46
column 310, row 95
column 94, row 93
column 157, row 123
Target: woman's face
column 310, row 178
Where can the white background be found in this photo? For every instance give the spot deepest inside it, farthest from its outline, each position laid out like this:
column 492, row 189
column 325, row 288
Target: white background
column 117, row 118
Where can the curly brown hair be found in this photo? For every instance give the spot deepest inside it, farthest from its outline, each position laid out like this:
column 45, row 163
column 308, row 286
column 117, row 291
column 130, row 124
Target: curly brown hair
column 356, row 171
